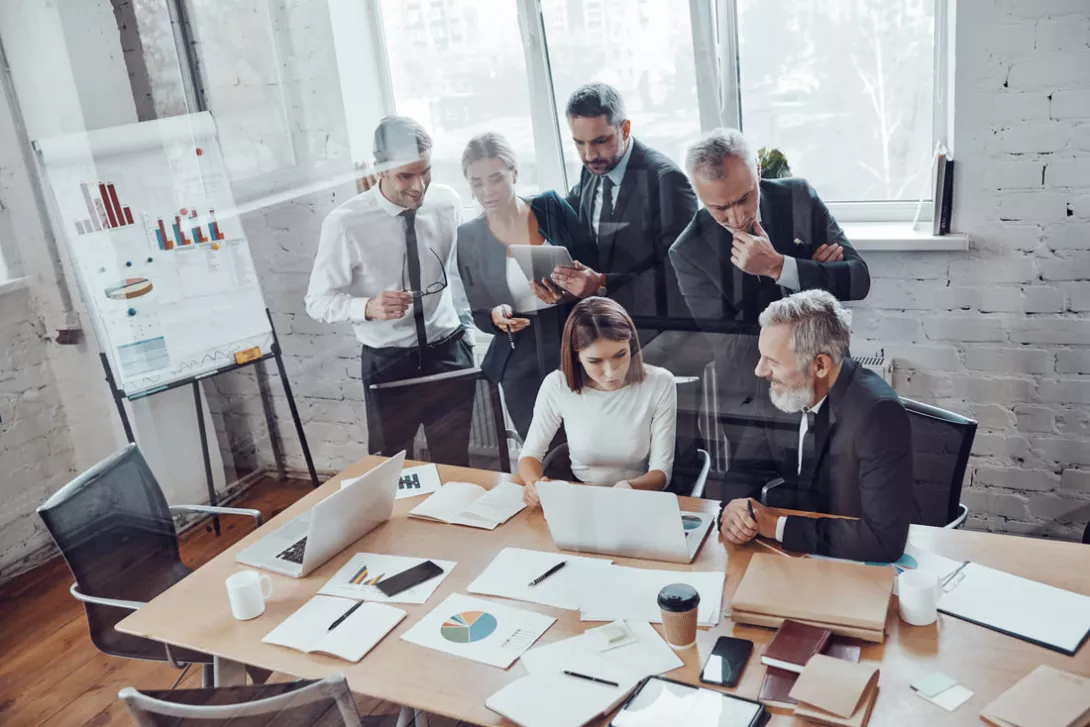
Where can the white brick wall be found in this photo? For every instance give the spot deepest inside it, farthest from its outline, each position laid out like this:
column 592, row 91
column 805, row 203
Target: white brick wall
column 1005, row 337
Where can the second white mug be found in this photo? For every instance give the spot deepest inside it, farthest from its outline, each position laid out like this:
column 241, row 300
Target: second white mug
column 247, row 591
column 918, row 594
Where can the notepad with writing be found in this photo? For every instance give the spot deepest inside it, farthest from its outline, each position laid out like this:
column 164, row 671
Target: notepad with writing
column 794, row 644
column 1045, row 697
column 307, row 629
column 463, row 503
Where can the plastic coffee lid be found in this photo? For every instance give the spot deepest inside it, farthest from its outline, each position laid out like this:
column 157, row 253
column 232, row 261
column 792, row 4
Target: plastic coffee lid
column 678, row 597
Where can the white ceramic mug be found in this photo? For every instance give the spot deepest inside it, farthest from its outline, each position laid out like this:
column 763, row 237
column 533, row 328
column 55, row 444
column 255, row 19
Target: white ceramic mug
column 247, row 591
column 918, row 594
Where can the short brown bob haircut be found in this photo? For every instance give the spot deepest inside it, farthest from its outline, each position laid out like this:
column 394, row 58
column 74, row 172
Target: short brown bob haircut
column 594, row 318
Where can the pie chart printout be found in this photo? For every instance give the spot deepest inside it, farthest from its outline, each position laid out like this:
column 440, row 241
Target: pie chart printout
column 468, row 627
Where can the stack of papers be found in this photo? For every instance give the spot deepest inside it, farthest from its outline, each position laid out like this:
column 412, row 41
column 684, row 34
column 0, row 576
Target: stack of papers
column 480, row 630
column 1046, row 697
column 632, row 594
column 359, row 575
column 462, row 503
column 548, row 697
column 307, row 629
column 510, row 573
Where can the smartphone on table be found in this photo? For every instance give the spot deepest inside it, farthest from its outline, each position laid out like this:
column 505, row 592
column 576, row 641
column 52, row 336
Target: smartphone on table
column 405, row 580
column 727, row 661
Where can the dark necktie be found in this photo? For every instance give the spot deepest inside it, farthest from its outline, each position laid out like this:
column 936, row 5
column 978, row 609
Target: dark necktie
column 412, row 254
column 606, row 215
column 809, row 455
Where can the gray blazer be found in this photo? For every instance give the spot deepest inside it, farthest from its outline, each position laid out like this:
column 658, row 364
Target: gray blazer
column 864, row 470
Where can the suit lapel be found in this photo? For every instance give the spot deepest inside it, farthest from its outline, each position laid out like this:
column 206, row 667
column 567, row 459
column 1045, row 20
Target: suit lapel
column 824, row 434
column 587, row 186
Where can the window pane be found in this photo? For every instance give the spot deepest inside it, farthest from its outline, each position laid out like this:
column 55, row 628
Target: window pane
column 644, row 49
column 844, row 88
column 458, row 68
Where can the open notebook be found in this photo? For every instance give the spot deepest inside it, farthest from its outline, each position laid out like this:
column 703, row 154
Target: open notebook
column 307, row 629
column 462, row 503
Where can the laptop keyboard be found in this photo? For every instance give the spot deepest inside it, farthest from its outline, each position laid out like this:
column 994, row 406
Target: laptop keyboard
column 294, row 554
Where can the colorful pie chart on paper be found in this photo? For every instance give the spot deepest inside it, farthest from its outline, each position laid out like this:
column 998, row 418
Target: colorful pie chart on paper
column 691, row 522
column 128, row 288
column 468, row 627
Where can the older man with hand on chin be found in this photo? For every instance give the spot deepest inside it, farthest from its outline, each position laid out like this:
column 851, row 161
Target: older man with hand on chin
column 851, row 454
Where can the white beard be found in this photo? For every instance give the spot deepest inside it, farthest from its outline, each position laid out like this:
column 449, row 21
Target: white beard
column 790, row 401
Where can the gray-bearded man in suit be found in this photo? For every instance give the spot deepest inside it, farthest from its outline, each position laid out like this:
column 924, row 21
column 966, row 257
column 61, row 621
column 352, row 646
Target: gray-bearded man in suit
column 851, row 453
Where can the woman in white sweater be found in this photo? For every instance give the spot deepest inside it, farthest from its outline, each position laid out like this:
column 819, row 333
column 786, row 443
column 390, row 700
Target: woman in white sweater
column 619, row 415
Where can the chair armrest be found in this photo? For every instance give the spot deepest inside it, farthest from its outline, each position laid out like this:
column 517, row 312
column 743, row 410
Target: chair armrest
column 215, row 510
column 115, row 602
column 963, row 513
column 702, row 478
column 772, row 484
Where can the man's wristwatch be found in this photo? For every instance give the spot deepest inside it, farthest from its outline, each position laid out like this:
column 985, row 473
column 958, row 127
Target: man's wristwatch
column 601, row 285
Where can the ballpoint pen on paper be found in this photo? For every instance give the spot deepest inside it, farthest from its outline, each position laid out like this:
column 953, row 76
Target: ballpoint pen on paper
column 589, row 678
column 949, row 577
column 345, row 615
column 548, row 573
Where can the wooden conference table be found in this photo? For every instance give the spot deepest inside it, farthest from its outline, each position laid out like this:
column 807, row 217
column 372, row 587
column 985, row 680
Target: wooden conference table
column 195, row 614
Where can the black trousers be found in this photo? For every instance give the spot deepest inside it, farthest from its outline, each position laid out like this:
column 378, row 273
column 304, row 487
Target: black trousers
column 444, row 408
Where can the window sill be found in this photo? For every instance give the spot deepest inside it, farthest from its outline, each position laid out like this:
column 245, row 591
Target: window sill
column 900, row 237
column 13, row 284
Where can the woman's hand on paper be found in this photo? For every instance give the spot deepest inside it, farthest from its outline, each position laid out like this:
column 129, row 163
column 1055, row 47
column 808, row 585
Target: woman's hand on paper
column 529, row 493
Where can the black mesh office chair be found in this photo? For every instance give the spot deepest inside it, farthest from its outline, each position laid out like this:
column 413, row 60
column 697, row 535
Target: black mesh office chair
column 114, row 528
column 325, row 703
column 941, row 442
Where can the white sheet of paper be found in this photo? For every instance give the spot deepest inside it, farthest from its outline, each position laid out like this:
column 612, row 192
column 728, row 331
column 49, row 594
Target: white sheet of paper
column 420, row 480
column 382, row 566
column 307, row 629
column 510, row 572
column 479, row 629
column 632, row 594
column 494, row 508
column 448, row 501
column 647, row 654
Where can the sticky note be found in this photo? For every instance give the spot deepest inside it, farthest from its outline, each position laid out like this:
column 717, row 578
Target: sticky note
column 933, row 683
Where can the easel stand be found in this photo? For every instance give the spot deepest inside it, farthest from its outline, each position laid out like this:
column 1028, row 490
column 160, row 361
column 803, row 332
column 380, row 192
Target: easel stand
column 195, row 382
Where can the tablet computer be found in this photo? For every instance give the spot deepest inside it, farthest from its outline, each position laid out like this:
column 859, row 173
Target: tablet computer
column 659, row 701
column 539, row 261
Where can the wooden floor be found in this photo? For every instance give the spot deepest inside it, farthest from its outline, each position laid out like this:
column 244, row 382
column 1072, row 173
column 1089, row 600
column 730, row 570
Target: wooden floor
column 52, row 675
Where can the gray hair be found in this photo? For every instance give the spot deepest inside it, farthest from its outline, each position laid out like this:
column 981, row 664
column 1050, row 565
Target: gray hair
column 819, row 324
column 597, row 99
column 400, row 139
column 489, row 145
column 708, row 154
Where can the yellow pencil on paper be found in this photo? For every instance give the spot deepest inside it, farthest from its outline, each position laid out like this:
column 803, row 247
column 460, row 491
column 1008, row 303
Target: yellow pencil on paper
column 376, row 579
column 359, row 577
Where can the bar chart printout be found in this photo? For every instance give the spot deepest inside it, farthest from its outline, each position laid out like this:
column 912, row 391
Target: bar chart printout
column 187, row 222
column 104, row 210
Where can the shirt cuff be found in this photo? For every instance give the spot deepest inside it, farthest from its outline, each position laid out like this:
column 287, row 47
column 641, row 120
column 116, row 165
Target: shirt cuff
column 357, row 309
column 789, row 274
column 780, row 525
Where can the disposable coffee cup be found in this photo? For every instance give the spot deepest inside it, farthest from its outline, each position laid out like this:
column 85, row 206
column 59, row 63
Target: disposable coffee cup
column 918, row 597
column 679, row 603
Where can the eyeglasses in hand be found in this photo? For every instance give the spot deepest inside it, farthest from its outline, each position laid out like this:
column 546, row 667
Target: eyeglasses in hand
column 437, row 287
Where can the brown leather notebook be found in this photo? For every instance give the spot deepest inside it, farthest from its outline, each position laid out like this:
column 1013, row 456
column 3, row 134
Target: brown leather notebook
column 794, row 644
column 827, row 592
column 777, row 684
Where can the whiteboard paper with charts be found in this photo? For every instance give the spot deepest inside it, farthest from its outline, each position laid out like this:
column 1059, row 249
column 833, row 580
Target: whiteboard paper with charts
column 157, row 247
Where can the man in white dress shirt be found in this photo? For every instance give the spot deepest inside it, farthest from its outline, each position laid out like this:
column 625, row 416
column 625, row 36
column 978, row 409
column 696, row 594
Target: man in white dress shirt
column 851, row 454
column 385, row 264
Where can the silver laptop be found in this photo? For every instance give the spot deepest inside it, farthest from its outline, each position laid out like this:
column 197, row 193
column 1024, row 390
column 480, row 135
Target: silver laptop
column 309, row 540
column 628, row 523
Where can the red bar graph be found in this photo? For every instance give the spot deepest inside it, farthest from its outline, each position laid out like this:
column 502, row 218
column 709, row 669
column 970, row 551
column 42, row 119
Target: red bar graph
column 128, row 216
column 105, row 194
column 104, row 210
column 116, row 204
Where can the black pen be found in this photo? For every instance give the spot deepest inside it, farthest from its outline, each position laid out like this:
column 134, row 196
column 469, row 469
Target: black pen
column 577, row 675
column 753, row 515
column 548, row 573
column 346, row 614
column 510, row 337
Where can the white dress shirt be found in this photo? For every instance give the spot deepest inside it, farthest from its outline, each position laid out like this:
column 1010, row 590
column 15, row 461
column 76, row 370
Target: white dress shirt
column 361, row 252
column 804, row 426
column 616, row 175
column 612, row 435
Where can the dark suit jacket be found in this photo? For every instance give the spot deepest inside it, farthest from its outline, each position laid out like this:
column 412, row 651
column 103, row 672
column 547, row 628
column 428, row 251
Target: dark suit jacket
column 864, row 470
column 716, row 291
column 651, row 207
column 482, row 262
